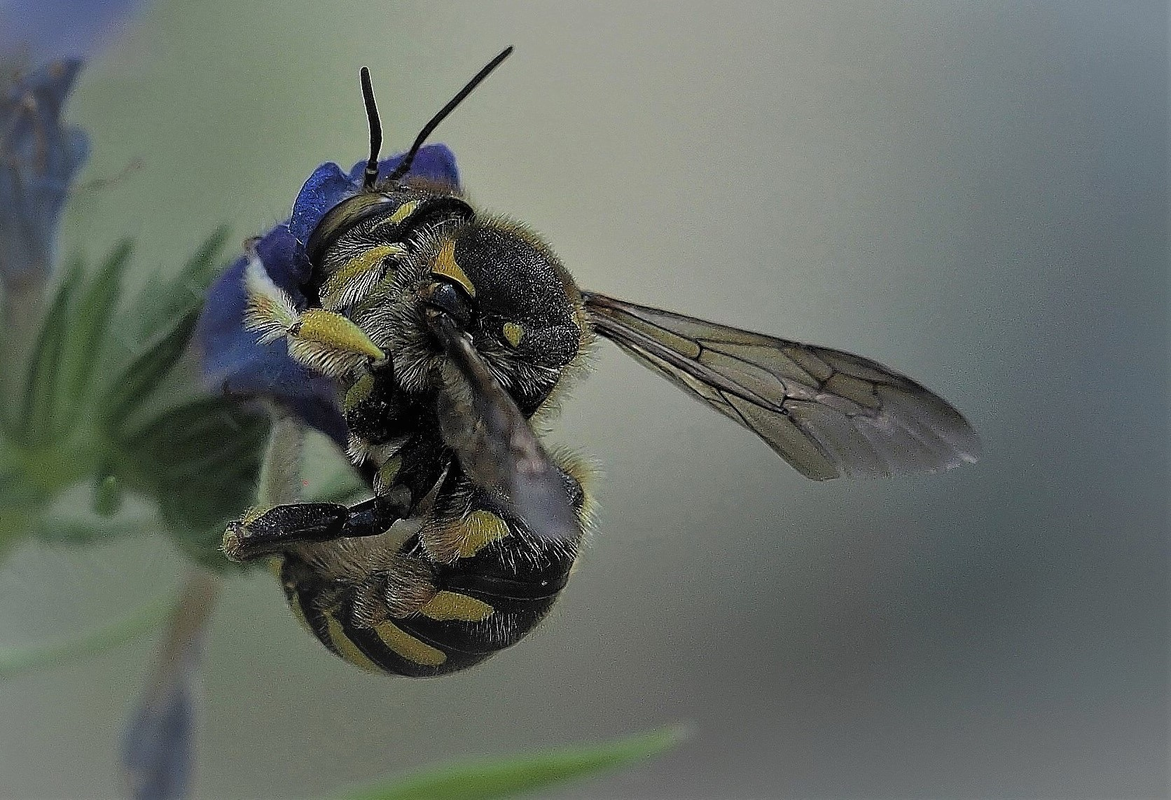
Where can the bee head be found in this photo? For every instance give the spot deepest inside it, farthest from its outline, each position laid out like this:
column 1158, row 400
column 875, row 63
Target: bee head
column 511, row 293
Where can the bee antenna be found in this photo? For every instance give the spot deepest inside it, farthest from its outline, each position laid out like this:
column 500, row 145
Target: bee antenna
column 405, row 165
column 370, row 176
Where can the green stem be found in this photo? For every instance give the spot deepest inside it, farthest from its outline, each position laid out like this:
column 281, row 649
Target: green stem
column 16, row 660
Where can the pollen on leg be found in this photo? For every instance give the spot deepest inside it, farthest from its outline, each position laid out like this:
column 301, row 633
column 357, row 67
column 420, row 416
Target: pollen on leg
column 330, row 343
column 335, row 331
column 270, row 310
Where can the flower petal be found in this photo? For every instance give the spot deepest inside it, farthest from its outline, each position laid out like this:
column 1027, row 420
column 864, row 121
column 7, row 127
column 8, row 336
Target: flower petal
column 38, row 162
column 44, row 29
column 328, row 185
column 434, row 162
column 233, row 361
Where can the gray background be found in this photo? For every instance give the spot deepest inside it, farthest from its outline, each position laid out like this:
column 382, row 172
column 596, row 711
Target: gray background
column 973, row 193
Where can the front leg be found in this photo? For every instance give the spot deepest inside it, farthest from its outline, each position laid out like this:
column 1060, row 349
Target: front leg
column 324, row 341
column 279, row 528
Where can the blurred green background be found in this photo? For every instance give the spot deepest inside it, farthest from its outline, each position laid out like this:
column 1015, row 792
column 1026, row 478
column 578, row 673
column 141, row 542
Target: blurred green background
column 975, row 194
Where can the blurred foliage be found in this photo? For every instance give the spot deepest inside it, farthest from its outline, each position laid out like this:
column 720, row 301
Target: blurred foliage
column 111, row 401
column 487, row 779
column 17, row 660
column 106, row 430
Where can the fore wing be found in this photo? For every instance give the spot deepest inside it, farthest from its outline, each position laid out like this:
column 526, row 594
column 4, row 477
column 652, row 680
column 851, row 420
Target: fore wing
column 496, row 447
column 826, row 412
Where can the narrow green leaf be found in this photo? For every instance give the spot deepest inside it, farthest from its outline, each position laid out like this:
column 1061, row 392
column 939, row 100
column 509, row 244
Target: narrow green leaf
column 146, row 371
column 166, row 299
column 42, row 385
column 509, row 777
column 15, row 660
column 90, row 322
column 164, row 315
column 21, row 318
column 204, row 265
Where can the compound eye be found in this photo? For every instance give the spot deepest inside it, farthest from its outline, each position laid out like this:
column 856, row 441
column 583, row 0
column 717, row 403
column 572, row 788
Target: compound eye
column 452, row 300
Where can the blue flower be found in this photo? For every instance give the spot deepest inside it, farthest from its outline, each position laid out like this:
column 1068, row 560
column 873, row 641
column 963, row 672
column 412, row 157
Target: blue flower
column 233, row 361
column 41, row 30
column 38, row 162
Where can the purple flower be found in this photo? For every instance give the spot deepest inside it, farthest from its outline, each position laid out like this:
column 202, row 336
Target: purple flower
column 41, row 30
column 233, row 361
column 39, row 159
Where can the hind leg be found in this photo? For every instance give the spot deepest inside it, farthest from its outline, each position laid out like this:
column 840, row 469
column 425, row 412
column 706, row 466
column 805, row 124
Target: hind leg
column 282, row 527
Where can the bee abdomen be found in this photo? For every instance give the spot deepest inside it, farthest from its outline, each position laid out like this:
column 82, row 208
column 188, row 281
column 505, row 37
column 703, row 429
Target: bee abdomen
column 494, row 599
column 386, row 646
column 491, row 598
column 490, row 583
column 470, row 617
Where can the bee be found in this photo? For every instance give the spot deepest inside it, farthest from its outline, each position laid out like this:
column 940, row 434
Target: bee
column 448, row 334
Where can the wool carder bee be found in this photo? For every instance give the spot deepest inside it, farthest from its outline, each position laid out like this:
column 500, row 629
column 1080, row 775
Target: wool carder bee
column 447, row 332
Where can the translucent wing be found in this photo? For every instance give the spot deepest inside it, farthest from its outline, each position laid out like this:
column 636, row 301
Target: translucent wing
column 826, row 412
column 494, row 442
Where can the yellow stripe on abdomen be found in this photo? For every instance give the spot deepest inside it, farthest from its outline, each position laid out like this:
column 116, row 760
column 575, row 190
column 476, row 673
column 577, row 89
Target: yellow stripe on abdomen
column 479, row 529
column 446, row 606
column 346, row 648
column 408, row 646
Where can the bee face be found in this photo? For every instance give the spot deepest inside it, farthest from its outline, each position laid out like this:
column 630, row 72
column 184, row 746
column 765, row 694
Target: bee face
column 389, row 259
column 524, row 302
column 445, row 332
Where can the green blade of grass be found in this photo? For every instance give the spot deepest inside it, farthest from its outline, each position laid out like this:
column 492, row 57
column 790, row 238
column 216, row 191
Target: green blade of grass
column 15, row 660
column 511, row 776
